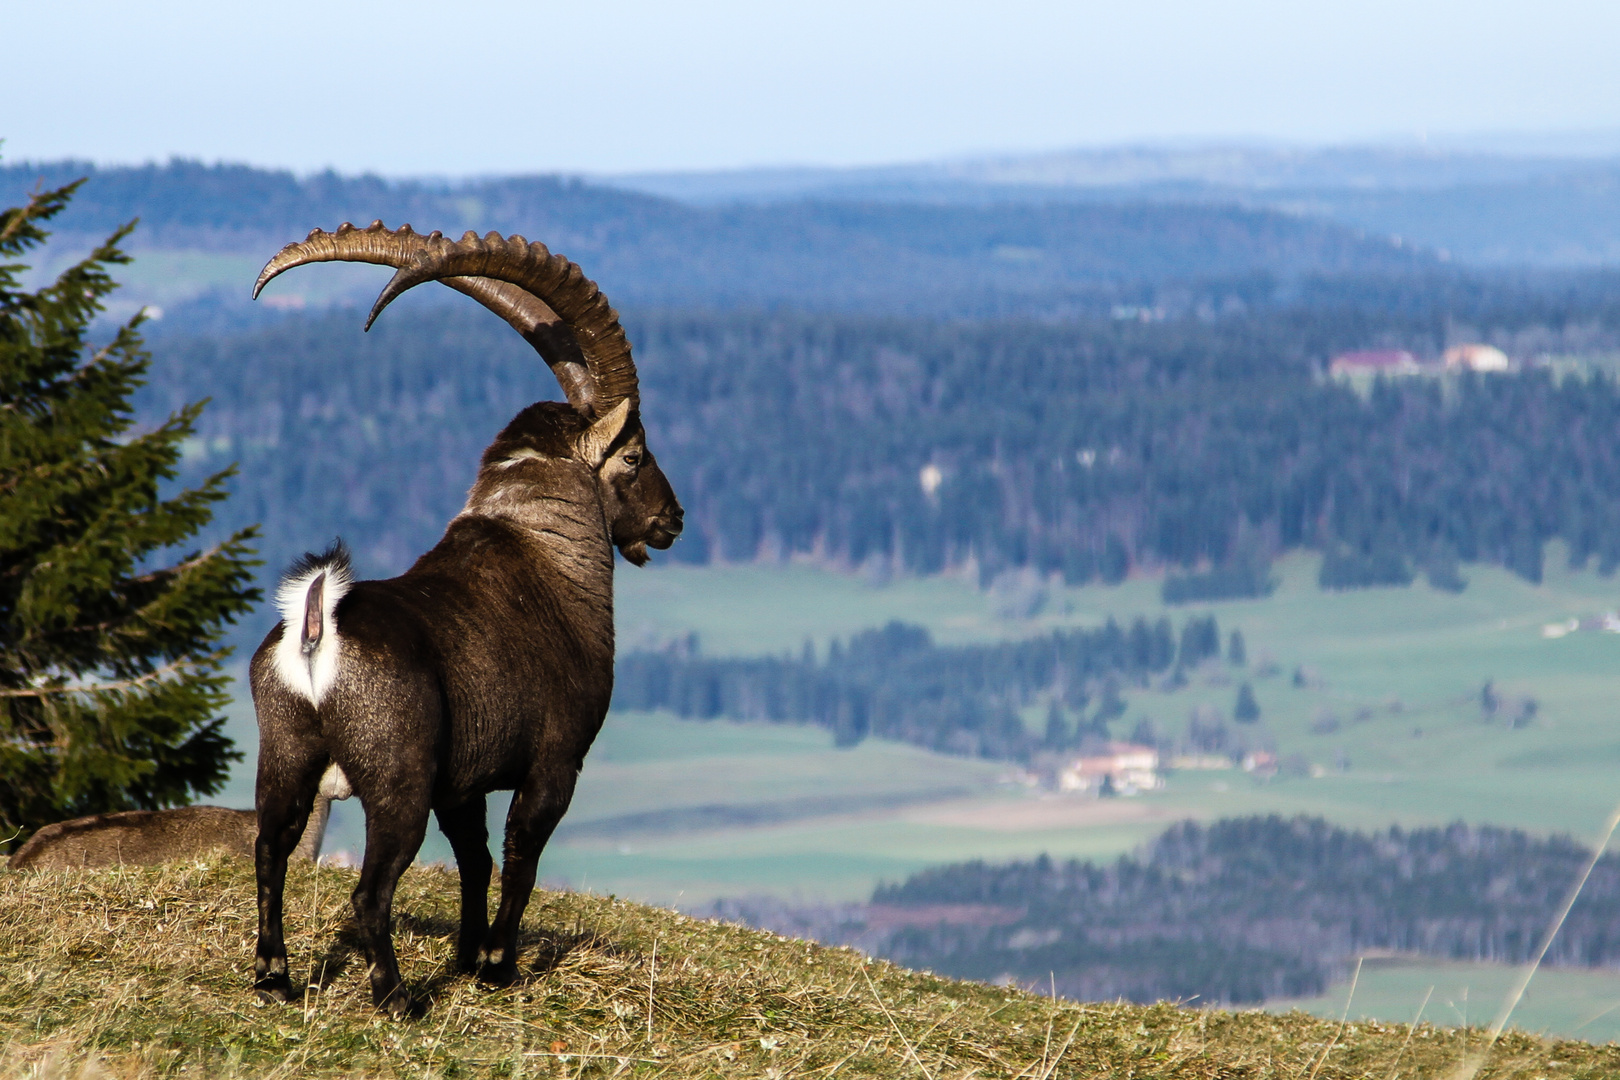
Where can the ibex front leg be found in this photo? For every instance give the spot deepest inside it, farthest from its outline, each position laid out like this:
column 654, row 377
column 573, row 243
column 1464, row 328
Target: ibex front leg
column 468, row 832
column 536, row 809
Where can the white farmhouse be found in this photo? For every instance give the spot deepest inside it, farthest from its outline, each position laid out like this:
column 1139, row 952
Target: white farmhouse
column 1128, row 768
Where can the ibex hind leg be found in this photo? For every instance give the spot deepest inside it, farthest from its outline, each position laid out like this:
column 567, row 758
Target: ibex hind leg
column 395, row 824
column 536, row 809
column 467, row 829
column 286, row 792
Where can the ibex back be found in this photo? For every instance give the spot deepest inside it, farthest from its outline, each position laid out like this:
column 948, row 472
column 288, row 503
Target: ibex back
column 486, row 666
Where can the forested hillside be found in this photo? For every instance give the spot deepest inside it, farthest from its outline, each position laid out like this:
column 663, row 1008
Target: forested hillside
column 952, row 261
column 895, row 683
column 1084, row 449
column 1079, row 389
column 1237, row 911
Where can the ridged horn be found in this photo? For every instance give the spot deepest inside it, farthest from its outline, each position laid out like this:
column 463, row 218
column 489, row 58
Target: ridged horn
column 544, row 297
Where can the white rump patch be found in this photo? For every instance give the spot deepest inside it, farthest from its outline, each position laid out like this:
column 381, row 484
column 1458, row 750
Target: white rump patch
column 311, row 676
column 335, row 785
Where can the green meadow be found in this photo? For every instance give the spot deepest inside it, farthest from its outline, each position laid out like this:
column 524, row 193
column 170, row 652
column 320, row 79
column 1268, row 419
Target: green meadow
column 1389, row 722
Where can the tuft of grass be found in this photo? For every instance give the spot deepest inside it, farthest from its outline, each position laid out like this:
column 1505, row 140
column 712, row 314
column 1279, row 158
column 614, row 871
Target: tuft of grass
column 143, row 973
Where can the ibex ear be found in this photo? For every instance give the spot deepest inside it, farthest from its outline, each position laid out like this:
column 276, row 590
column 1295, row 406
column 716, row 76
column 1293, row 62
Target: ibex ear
column 597, row 439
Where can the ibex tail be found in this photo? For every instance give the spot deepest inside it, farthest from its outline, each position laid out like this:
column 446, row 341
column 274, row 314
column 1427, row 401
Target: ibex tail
column 307, row 655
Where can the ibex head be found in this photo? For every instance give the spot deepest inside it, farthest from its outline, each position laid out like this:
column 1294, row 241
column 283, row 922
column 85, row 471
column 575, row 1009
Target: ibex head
column 639, row 506
column 567, row 320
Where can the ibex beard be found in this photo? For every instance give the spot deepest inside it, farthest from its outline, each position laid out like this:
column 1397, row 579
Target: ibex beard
column 486, row 666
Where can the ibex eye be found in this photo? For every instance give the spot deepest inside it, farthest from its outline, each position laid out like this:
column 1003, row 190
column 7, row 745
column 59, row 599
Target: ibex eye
column 632, row 459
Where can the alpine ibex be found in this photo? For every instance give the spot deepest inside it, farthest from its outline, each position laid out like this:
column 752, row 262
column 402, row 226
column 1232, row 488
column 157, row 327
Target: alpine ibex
column 150, row 837
column 489, row 663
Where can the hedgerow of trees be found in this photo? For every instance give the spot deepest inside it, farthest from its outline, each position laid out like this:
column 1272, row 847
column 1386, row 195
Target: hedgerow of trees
column 895, row 683
column 1247, row 909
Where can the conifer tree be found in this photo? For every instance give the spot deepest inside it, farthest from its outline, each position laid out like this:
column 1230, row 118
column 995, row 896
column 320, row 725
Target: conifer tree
column 1111, row 707
column 1247, row 709
column 1237, row 654
column 1057, row 728
column 110, row 658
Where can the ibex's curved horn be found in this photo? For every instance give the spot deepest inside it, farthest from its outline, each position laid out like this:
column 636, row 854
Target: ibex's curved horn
column 559, row 283
column 544, row 297
column 541, row 327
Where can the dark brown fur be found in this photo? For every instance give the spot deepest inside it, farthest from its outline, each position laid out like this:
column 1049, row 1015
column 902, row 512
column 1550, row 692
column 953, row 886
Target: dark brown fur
column 487, row 666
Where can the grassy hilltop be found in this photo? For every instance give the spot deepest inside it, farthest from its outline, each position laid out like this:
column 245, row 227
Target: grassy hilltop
column 143, row 973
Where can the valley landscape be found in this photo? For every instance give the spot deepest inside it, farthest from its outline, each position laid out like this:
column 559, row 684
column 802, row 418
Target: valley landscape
column 782, row 812
column 994, row 412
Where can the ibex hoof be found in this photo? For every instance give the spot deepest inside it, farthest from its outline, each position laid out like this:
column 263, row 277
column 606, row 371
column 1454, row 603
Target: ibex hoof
column 504, row 974
column 273, row 990
column 401, row 1006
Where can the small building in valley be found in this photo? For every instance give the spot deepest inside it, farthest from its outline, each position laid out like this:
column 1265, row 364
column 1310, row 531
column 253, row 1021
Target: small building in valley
column 1375, row 362
column 1261, row 763
column 1123, row 769
column 1476, row 358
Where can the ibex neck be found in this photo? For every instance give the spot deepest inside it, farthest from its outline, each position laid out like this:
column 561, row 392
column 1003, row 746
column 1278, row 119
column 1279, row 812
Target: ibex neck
column 560, row 517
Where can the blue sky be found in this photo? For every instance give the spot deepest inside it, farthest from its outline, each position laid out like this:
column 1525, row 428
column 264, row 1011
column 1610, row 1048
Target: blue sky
column 409, row 87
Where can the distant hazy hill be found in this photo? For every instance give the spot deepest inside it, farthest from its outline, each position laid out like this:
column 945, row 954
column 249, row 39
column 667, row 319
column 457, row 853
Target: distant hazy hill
column 189, row 204
column 866, row 256
column 1507, row 203
column 1233, row 166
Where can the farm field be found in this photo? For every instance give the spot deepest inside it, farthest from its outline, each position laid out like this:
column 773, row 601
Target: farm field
column 1395, row 673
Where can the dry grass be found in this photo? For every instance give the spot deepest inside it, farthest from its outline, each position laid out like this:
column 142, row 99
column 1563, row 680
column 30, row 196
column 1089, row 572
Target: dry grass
column 144, row 973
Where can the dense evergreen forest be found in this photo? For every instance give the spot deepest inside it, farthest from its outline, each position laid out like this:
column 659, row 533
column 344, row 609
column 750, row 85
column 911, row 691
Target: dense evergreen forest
column 1083, row 449
column 1233, row 912
column 895, row 683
